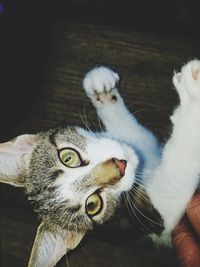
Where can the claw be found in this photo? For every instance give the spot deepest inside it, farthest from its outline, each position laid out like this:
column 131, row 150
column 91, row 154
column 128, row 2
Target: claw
column 195, row 73
column 178, row 76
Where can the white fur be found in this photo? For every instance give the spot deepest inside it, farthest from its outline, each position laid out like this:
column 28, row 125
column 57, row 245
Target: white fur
column 172, row 177
column 99, row 149
column 100, row 79
column 177, row 177
column 119, row 123
column 102, row 149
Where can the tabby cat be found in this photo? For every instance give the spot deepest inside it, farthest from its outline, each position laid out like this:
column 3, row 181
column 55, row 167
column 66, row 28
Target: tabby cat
column 75, row 178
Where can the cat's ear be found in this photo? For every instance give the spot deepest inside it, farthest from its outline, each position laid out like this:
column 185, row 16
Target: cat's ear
column 14, row 158
column 50, row 246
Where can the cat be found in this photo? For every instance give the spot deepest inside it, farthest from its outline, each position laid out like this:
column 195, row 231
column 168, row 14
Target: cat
column 75, row 178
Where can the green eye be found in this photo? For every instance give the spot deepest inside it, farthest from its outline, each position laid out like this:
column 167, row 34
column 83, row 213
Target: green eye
column 93, row 204
column 70, row 157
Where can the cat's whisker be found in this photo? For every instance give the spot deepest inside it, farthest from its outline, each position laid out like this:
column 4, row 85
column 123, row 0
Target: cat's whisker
column 136, row 184
column 131, row 210
column 86, row 125
column 100, row 125
column 145, row 187
column 67, row 260
column 140, row 194
column 139, row 110
column 129, row 207
column 135, row 215
column 140, row 175
column 146, row 217
column 139, row 183
column 97, row 128
column 146, row 201
column 86, row 119
column 136, row 103
column 157, row 124
column 165, row 131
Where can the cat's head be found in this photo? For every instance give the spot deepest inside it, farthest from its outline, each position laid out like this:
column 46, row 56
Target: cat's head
column 74, row 180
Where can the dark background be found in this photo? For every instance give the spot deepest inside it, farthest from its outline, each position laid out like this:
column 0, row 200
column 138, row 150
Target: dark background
column 172, row 16
column 24, row 34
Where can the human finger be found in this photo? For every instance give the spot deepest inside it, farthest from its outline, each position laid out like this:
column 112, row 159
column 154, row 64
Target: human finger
column 186, row 244
column 193, row 213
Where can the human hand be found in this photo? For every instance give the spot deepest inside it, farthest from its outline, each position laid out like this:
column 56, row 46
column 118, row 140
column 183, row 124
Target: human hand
column 186, row 235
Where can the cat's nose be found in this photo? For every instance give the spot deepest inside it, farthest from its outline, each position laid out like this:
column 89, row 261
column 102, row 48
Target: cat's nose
column 121, row 164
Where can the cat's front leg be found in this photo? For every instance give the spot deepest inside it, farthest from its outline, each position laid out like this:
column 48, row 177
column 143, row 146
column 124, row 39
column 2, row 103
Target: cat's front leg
column 177, row 177
column 100, row 85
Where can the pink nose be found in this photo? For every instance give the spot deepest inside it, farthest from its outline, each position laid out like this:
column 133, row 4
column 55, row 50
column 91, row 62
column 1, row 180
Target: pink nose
column 121, row 164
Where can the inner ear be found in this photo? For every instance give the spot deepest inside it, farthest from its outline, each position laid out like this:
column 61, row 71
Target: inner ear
column 51, row 244
column 14, row 158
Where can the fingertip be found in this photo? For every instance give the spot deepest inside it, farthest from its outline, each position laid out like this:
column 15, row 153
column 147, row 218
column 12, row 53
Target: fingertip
column 193, row 213
column 186, row 245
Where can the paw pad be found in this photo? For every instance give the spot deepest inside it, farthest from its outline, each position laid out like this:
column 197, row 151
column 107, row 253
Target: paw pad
column 100, row 85
column 100, row 80
column 114, row 98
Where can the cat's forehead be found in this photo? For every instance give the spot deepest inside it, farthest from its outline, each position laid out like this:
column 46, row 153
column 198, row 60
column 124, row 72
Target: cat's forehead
column 68, row 135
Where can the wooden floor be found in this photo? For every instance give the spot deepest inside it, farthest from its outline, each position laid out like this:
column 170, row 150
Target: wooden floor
column 146, row 63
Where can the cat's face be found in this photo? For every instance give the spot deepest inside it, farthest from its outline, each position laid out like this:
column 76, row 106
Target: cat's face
column 74, row 178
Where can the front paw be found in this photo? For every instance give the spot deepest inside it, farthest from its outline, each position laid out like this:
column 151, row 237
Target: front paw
column 187, row 82
column 100, row 85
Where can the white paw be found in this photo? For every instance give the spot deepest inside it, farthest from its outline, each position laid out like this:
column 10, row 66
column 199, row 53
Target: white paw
column 100, row 79
column 187, row 82
column 100, row 85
